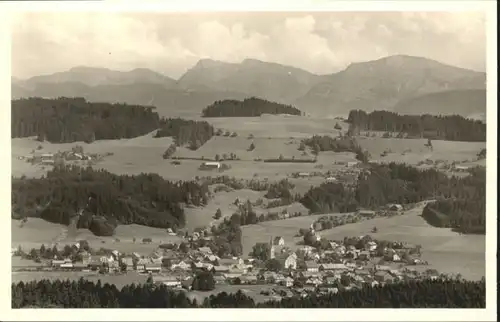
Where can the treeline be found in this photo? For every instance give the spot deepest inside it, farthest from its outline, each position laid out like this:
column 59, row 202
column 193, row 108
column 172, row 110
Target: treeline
column 103, row 200
column 403, row 184
column 319, row 143
column 64, row 120
column 452, row 128
column 448, row 293
column 247, row 108
column 185, row 132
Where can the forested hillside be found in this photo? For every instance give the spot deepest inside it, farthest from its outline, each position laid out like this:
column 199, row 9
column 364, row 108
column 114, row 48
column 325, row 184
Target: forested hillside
column 65, row 120
column 104, row 199
column 466, row 211
column 86, row 294
column 461, row 200
column 247, row 108
column 452, row 128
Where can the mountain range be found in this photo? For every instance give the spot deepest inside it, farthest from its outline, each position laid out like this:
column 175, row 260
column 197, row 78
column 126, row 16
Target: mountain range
column 404, row 84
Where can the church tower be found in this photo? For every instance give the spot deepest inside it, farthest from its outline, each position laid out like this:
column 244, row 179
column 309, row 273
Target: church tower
column 272, row 249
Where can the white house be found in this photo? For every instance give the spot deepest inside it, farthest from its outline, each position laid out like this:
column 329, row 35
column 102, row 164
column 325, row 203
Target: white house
column 331, row 180
column 210, row 165
column 312, row 266
column 395, row 207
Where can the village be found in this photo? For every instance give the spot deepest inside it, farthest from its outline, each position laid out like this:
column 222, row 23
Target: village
column 326, row 267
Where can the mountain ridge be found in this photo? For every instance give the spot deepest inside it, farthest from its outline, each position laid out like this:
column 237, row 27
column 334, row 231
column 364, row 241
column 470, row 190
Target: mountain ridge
column 377, row 84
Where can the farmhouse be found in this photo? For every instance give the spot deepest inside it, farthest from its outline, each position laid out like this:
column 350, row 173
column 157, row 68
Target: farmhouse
column 288, row 261
column 336, row 267
column 221, row 269
column 331, row 179
column 205, row 250
column 395, row 207
column 366, row 213
column 312, row 266
column 383, row 276
column 170, row 281
column 351, row 164
column 304, row 174
column 210, row 166
column 128, row 262
column 152, row 268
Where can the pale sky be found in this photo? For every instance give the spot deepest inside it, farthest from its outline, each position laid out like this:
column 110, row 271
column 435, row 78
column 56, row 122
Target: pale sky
column 322, row 43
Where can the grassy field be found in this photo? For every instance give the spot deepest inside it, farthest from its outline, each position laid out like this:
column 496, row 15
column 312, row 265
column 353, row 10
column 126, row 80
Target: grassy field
column 415, row 151
column 277, row 126
column 38, row 231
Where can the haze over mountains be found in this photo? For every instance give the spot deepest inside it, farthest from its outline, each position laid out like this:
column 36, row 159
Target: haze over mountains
column 404, row 84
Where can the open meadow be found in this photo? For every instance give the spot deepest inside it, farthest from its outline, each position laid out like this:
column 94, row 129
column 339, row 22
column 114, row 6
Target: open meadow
column 36, row 232
column 412, row 151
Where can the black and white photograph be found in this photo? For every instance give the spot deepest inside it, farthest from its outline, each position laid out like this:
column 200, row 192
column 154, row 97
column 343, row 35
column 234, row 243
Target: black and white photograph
column 251, row 159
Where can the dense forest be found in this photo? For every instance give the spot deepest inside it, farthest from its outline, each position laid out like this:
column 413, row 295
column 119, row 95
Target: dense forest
column 247, row 108
column 186, row 132
column 400, row 183
column 64, row 120
column 104, row 200
column 452, row 128
column 87, row 294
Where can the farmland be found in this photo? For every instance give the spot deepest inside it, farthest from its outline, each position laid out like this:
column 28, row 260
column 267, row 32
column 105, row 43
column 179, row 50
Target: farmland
column 272, row 136
column 37, row 231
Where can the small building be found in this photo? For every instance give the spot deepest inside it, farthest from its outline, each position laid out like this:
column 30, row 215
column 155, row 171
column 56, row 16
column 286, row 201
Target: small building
column 66, row 266
column 182, row 265
column 210, row 166
column 304, row 174
column 169, row 281
column 288, row 261
column 312, row 266
column 288, row 281
column 366, row 213
column 205, row 250
column 352, row 164
column 331, row 180
column 333, row 267
column 128, row 262
column 395, row 207
column 364, row 255
column 152, row 268
column 248, row 279
column 382, row 268
column 57, row 262
column 383, row 276
column 220, row 279
column 230, row 262
column 221, row 269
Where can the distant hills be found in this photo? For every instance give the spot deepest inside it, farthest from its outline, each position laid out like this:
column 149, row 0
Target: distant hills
column 402, row 84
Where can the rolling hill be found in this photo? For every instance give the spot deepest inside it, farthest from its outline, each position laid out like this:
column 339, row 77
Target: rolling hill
column 469, row 103
column 92, row 76
column 389, row 83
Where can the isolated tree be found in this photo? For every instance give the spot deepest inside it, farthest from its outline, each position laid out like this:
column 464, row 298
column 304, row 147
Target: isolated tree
column 218, row 214
column 251, row 147
column 274, row 265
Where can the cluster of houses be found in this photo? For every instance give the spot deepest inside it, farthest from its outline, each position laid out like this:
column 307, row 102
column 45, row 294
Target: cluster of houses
column 303, row 270
column 50, row 158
